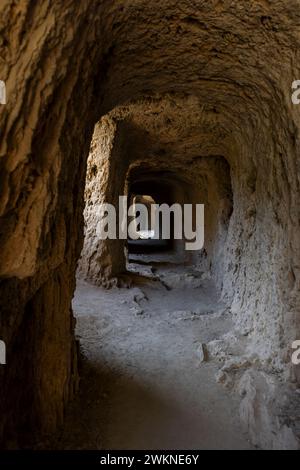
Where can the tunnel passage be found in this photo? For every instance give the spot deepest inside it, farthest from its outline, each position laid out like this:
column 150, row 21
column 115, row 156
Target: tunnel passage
column 162, row 191
column 189, row 179
column 210, row 185
column 221, row 98
column 146, row 236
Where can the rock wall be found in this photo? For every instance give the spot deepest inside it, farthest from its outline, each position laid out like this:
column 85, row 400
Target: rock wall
column 46, row 129
column 220, row 73
column 102, row 261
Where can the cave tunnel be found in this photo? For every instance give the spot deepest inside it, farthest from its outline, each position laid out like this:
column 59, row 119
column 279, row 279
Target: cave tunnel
column 178, row 102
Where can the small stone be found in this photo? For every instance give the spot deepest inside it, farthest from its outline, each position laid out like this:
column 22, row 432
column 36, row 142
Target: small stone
column 223, row 379
column 137, row 311
column 202, row 353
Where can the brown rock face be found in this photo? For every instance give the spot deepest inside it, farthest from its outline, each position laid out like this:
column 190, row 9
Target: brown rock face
column 195, row 93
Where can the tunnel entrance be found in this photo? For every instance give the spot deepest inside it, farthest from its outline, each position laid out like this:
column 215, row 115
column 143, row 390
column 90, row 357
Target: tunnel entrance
column 180, row 102
column 149, row 239
column 159, row 291
column 205, row 180
column 163, row 296
column 152, row 239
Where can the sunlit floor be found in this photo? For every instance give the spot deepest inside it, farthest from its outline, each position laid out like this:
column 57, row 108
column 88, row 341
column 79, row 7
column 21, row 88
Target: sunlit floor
column 143, row 386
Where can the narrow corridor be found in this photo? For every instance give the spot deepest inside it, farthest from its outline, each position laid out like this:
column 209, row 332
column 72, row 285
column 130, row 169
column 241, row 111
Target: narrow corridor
column 116, row 111
column 143, row 384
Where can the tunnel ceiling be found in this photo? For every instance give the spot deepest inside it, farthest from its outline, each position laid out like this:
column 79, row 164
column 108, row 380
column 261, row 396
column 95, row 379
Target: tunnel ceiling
column 216, row 103
column 173, row 126
column 225, row 53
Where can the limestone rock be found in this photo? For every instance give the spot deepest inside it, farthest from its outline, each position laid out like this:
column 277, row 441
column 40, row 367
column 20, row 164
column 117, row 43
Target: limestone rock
column 100, row 93
column 202, row 353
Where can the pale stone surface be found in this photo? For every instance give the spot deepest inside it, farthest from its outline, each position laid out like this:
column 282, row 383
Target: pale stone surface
column 267, row 418
column 202, row 353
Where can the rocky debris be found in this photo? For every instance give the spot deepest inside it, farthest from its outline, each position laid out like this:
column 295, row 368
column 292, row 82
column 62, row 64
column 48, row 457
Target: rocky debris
column 264, row 414
column 139, row 296
column 135, row 299
column 228, row 346
column 223, row 378
column 218, row 349
column 237, row 363
column 136, row 310
column 212, row 314
column 189, row 315
column 182, row 315
column 202, row 353
column 164, row 284
column 232, row 370
column 146, row 271
column 175, row 280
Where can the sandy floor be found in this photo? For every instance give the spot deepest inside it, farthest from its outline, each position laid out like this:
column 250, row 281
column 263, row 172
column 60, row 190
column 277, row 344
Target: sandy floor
column 143, row 386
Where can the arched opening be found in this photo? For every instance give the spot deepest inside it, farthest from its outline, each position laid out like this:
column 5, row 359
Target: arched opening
column 147, row 236
column 208, row 126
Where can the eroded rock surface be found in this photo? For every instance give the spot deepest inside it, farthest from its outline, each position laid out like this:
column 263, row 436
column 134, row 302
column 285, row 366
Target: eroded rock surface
column 183, row 87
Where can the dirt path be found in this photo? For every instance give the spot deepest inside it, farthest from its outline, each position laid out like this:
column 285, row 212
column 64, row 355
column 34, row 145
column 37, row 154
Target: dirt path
column 143, row 386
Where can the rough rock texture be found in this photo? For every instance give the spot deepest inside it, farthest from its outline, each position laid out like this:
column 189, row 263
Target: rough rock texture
column 131, row 162
column 264, row 407
column 45, row 64
column 101, row 261
column 66, row 64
